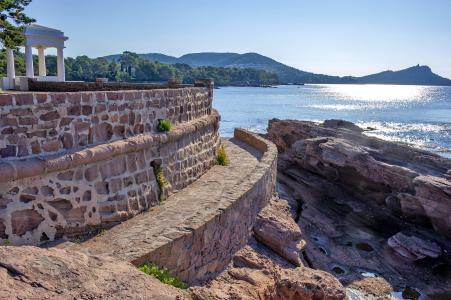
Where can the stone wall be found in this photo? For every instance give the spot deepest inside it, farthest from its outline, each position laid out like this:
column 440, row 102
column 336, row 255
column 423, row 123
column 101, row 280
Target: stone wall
column 38, row 123
column 68, row 191
column 78, row 86
column 199, row 256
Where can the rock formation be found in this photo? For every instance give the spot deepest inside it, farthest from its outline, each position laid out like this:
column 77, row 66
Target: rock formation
column 412, row 247
column 28, row 272
column 269, row 267
column 373, row 213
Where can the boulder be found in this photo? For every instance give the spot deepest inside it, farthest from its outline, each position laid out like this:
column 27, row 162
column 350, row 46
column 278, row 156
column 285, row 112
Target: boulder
column 305, row 283
column 34, row 273
column 434, row 195
column 276, row 228
column 412, row 247
column 258, row 273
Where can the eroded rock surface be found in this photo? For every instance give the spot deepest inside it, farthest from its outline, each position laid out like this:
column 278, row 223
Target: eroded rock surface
column 33, row 273
column 276, row 229
column 259, row 273
column 413, row 247
column 356, row 192
column 270, row 267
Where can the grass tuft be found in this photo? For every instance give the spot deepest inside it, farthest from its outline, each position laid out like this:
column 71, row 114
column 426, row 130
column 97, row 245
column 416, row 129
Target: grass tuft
column 163, row 275
column 7, row 243
column 164, row 125
column 223, row 159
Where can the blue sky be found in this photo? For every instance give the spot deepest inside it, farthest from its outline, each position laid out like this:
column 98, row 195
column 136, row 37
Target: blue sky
column 337, row 37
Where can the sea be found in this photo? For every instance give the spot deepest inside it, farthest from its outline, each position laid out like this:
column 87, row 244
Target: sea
column 419, row 116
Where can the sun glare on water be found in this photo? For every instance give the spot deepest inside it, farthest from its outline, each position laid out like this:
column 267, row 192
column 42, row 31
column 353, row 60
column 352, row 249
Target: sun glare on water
column 376, row 92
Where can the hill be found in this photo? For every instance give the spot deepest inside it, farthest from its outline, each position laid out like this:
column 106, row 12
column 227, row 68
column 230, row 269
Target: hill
column 419, row 75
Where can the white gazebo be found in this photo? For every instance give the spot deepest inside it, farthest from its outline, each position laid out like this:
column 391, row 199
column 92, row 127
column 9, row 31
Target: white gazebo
column 39, row 37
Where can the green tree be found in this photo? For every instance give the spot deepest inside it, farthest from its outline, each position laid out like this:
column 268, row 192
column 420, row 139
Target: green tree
column 12, row 21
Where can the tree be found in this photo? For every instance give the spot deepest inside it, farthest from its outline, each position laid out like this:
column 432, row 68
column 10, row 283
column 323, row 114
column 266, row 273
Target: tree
column 12, row 21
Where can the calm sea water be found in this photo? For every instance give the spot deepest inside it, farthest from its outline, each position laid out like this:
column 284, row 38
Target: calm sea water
column 417, row 115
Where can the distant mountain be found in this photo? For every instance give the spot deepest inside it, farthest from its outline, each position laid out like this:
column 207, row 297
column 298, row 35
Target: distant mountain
column 420, row 75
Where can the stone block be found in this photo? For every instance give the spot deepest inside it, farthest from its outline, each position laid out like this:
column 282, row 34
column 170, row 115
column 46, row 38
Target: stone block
column 52, row 115
column 6, row 100
column 102, row 188
column 25, row 220
column 24, row 99
column 51, row 146
column 28, row 120
column 67, row 140
column 103, row 132
column 91, row 173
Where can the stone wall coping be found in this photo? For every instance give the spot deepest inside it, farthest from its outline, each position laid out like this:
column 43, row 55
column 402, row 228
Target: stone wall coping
column 19, row 169
column 112, row 95
column 74, row 86
column 166, row 234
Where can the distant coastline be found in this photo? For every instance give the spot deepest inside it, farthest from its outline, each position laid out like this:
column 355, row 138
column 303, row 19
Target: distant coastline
column 415, row 75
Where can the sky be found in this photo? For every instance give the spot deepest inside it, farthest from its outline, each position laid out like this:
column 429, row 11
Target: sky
column 335, row 37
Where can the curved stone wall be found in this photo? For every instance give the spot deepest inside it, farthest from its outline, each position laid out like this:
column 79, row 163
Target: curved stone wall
column 209, row 247
column 67, row 193
column 33, row 124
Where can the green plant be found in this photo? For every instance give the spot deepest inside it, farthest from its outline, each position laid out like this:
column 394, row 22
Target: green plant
column 223, row 159
column 162, row 182
column 161, row 179
column 163, row 275
column 164, row 125
column 7, row 243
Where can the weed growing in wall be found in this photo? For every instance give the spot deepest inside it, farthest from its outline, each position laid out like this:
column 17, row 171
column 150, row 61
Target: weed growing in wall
column 223, row 159
column 162, row 182
column 163, row 275
column 164, row 125
column 7, row 243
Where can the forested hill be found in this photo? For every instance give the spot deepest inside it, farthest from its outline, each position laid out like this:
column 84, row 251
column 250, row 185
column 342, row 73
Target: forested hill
column 421, row 75
column 285, row 73
column 133, row 68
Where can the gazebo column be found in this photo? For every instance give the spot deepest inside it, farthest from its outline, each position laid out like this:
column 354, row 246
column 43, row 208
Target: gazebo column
column 60, row 65
column 10, row 71
column 29, row 61
column 42, row 67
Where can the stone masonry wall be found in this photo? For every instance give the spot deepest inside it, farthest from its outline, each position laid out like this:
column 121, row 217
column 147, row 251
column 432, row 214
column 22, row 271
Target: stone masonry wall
column 228, row 231
column 67, row 193
column 39, row 123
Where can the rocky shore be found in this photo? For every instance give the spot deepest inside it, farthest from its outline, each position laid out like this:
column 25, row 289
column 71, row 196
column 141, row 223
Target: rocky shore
column 375, row 214
column 353, row 216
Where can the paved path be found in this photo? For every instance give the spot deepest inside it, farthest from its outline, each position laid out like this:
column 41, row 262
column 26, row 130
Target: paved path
column 180, row 214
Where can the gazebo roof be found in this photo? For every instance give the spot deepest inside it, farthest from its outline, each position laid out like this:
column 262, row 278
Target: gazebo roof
column 41, row 36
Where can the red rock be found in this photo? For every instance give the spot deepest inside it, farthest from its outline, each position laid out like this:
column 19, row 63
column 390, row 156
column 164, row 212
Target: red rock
column 275, row 228
column 413, row 247
column 52, row 115
column 24, row 99
column 6, row 100
column 52, row 145
column 25, row 220
column 30, row 272
column 103, row 132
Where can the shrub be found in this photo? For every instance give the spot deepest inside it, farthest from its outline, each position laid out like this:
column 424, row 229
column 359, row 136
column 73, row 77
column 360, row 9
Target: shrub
column 223, row 159
column 163, row 275
column 7, row 243
column 164, row 125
